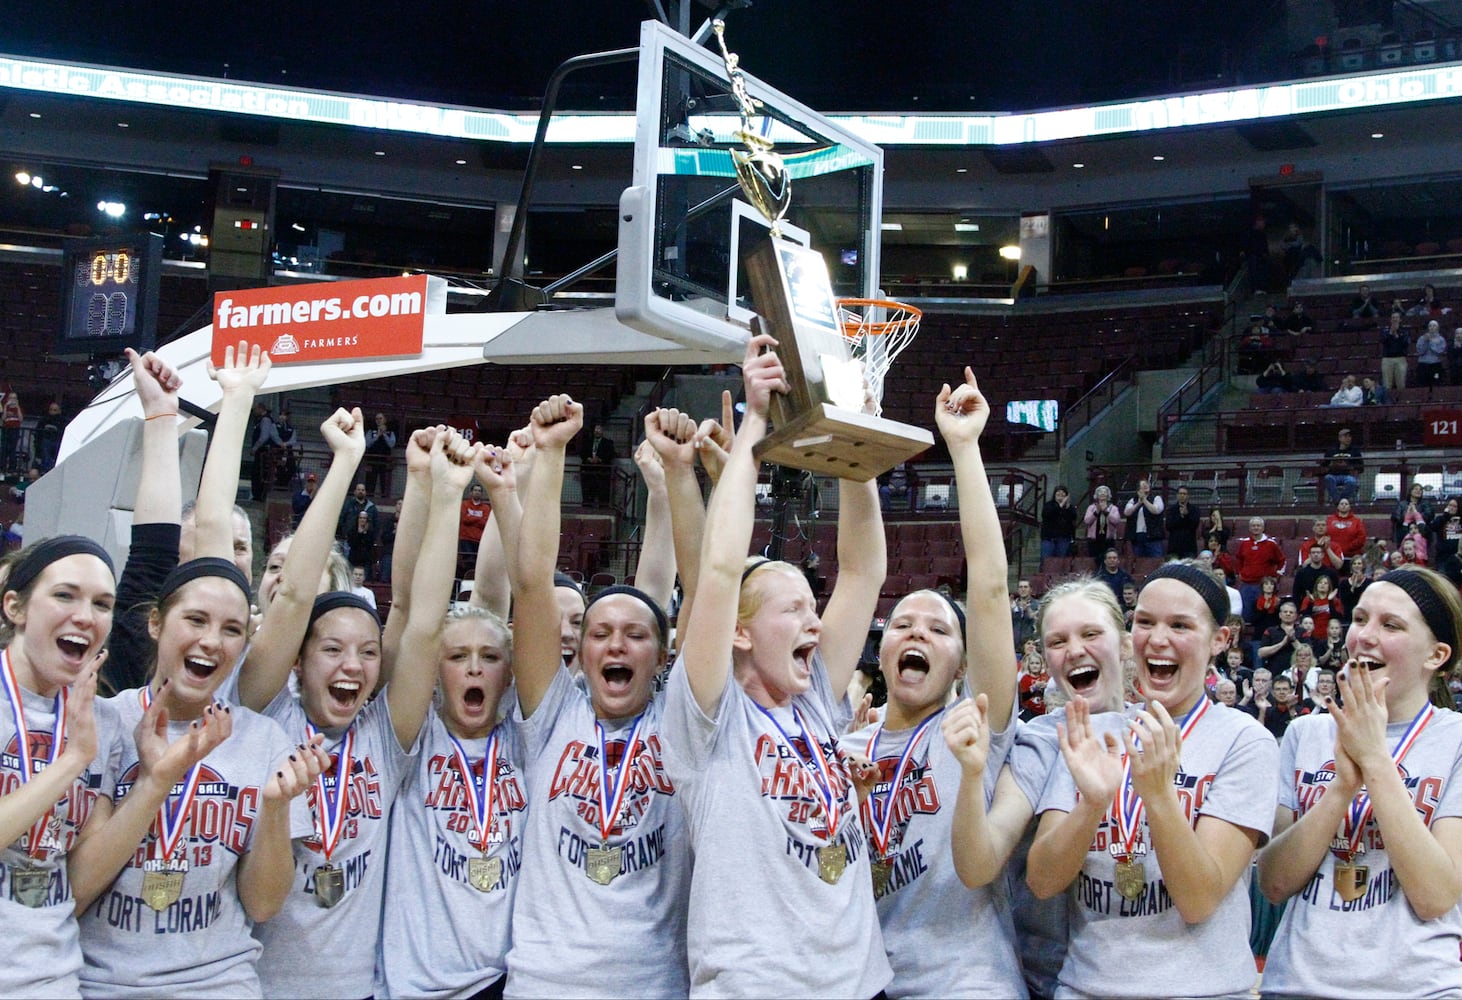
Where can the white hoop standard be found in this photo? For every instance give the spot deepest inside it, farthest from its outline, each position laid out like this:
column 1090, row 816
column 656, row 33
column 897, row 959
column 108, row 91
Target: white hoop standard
column 878, row 330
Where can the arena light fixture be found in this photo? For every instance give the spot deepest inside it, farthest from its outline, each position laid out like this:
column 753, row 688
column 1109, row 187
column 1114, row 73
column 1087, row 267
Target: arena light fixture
column 1010, row 252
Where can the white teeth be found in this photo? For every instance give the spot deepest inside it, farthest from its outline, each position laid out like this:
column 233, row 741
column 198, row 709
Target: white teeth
column 347, row 685
column 1162, row 663
column 202, row 663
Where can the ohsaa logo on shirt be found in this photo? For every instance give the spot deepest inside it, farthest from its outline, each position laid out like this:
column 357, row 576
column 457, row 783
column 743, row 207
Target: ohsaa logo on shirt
column 447, row 792
column 362, row 799
column 71, row 811
column 578, row 777
column 784, row 778
column 917, row 794
column 1426, row 793
column 1192, row 792
column 222, row 813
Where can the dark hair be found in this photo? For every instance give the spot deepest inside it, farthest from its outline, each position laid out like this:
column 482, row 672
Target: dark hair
column 27, row 565
column 1440, row 606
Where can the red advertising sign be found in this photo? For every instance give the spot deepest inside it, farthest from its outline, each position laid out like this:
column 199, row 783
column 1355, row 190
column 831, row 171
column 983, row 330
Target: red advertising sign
column 344, row 320
column 1441, row 428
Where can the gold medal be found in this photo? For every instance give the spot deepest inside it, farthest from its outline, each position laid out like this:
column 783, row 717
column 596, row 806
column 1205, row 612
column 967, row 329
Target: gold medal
column 882, row 872
column 483, row 873
column 161, row 889
column 832, row 861
column 1131, row 879
column 30, row 886
column 329, row 885
column 1351, row 880
column 602, row 863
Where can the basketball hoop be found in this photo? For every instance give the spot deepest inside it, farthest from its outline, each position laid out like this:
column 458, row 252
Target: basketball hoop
column 878, row 330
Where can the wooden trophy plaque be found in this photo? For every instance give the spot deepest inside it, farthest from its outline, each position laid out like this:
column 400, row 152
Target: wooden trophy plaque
column 819, row 425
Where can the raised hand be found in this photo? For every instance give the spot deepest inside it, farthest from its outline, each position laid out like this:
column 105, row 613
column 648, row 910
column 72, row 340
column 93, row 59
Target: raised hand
column 1095, row 763
column 81, row 739
column 345, row 433
column 1155, row 765
column 452, row 459
column 864, row 715
column 762, row 374
column 244, row 369
column 307, row 763
column 967, row 735
column 1360, row 725
column 167, row 762
column 494, row 469
column 863, row 772
column 556, row 420
column 652, row 469
column 418, row 450
column 156, row 383
column 961, row 413
column 671, row 435
column 713, row 439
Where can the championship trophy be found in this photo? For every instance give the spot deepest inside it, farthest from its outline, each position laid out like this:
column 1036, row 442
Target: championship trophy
column 827, row 347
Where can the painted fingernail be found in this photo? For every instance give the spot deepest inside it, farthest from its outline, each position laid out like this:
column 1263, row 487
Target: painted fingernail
column 293, row 758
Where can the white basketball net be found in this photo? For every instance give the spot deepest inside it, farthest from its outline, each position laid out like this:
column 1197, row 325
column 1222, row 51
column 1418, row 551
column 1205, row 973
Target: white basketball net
column 877, row 331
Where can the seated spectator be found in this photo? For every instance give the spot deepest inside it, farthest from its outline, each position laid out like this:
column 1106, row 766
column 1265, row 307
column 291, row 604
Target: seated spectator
column 1058, row 524
column 1373, row 393
column 1315, row 567
column 1308, row 378
column 1235, row 599
column 1102, row 520
column 358, row 586
column 1325, row 692
column 1275, row 380
column 1143, row 513
column 1429, row 304
column 1454, row 358
column 1225, row 692
column 1415, row 509
column 1129, row 603
column 1413, row 548
column 897, row 488
column 1298, row 321
column 1364, row 305
column 1446, row 531
column 1343, row 465
column 360, row 544
column 1321, row 604
column 1349, row 393
column 1331, row 652
column 1256, row 348
column 1277, row 644
column 1347, row 531
column 1395, row 343
column 1283, row 710
column 1113, row 575
column 1234, row 666
column 1431, row 355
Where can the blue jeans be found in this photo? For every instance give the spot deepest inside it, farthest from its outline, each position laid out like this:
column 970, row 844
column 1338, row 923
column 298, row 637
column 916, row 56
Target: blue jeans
column 1147, row 548
column 1250, row 594
column 1341, row 486
column 1058, row 548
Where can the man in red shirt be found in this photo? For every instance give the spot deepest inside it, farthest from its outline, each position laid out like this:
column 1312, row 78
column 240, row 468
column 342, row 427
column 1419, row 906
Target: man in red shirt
column 1258, row 556
column 474, row 519
column 1347, row 532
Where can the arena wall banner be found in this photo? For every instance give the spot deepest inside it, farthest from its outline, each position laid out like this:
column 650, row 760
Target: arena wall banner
column 296, row 324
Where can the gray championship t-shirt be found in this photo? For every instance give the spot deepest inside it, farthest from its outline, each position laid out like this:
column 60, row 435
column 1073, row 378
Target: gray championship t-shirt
column 309, row 950
column 1041, row 925
column 199, row 945
column 571, row 935
column 1397, row 954
column 928, row 915
column 763, row 923
column 42, row 945
column 441, row 935
column 1142, row 946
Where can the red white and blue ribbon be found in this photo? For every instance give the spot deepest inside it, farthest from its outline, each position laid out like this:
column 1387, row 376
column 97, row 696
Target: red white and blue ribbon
column 816, row 764
column 168, row 826
column 1358, row 814
column 330, row 810
column 614, row 784
column 479, row 802
column 881, row 807
column 1129, row 805
column 22, row 740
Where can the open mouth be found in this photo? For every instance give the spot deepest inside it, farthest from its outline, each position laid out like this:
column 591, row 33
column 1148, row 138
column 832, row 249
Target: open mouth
column 913, row 665
column 73, row 647
column 198, row 667
column 1083, row 680
column 474, row 697
column 802, row 655
column 343, row 693
column 1162, row 670
column 1369, row 664
column 617, row 678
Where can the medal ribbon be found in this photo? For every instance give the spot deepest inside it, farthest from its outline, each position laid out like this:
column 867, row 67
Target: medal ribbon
column 479, row 805
column 172, row 812
column 1358, row 814
column 22, row 740
column 881, row 809
column 1128, row 803
column 330, row 812
column 817, row 765
column 612, row 786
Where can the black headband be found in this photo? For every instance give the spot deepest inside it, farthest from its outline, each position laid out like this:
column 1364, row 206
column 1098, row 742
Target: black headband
column 643, row 598
column 196, row 569
column 564, row 580
column 334, row 599
column 959, row 612
column 42, row 554
column 1215, row 596
column 1433, row 608
column 758, row 564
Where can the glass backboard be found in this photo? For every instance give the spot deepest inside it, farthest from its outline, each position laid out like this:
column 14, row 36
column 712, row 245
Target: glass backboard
column 685, row 225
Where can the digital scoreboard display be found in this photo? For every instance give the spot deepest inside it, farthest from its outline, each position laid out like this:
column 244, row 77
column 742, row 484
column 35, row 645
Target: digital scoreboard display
column 110, row 296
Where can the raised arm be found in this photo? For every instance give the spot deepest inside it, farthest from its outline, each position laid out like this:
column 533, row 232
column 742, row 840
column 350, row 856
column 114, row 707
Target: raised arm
column 537, row 655
column 862, row 565
column 410, row 691
column 672, row 435
column 655, row 568
column 497, row 554
column 276, row 644
column 706, row 643
column 410, row 529
column 962, row 415
column 241, row 377
column 159, row 491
